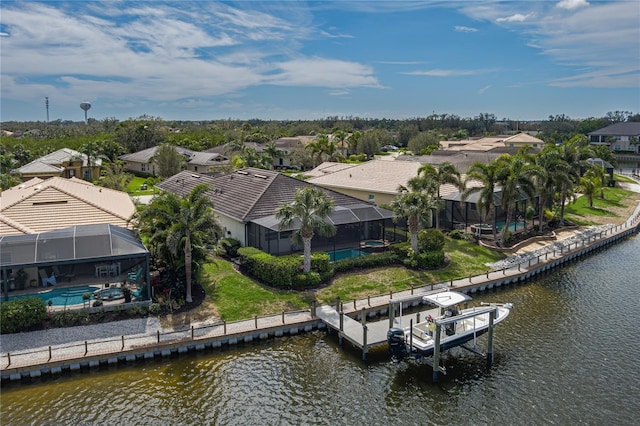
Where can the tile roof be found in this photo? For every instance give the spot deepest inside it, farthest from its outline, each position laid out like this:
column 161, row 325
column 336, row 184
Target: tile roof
column 382, row 176
column 249, row 193
column 54, row 203
column 145, row 155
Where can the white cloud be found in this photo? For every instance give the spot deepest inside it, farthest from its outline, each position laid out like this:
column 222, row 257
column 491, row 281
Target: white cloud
column 484, row 89
column 601, row 38
column 518, row 17
column 160, row 53
column 462, row 29
column 322, row 72
column 572, row 4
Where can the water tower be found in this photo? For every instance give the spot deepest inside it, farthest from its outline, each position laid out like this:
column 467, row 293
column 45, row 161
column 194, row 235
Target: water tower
column 85, row 107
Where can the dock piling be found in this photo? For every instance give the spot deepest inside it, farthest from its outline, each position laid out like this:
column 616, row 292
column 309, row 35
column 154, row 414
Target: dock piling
column 492, row 316
column 365, row 347
column 436, row 353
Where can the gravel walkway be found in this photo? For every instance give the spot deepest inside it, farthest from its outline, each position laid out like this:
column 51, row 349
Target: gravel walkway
column 63, row 336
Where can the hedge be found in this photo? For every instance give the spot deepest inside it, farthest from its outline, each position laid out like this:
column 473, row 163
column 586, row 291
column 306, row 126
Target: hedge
column 381, row 259
column 22, row 314
column 285, row 271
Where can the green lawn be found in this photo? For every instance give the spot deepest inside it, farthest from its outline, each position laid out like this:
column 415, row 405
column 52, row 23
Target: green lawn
column 238, row 297
column 579, row 211
column 133, row 187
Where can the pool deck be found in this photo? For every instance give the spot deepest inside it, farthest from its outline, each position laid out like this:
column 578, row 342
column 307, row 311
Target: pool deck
column 22, row 358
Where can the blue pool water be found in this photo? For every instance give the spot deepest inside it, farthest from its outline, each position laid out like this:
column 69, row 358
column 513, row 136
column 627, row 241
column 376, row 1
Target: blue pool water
column 345, row 254
column 63, row 296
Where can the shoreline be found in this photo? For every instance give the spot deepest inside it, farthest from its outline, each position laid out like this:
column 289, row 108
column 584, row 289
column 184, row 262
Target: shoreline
column 35, row 361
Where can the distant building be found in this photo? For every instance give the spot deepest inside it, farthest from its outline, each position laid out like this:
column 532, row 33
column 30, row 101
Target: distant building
column 65, row 163
column 618, row 137
column 142, row 162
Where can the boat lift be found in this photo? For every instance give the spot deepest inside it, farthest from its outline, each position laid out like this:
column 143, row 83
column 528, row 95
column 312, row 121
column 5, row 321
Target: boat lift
column 396, row 306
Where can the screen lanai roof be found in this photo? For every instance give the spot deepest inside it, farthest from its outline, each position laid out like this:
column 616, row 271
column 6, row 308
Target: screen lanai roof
column 70, row 245
column 341, row 215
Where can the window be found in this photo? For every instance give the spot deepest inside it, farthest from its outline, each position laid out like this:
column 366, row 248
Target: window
column 372, row 197
column 195, row 168
column 617, row 148
column 143, row 167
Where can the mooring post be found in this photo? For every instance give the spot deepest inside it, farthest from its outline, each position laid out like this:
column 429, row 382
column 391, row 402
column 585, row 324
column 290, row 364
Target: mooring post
column 338, row 304
column 283, row 317
column 391, row 314
column 365, row 347
column 49, row 354
column 368, row 300
column 363, row 316
column 412, row 289
column 255, row 320
column 193, row 332
column 313, row 308
column 410, row 335
column 8, row 359
column 122, row 349
column 492, row 316
column 158, row 334
column 224, row 327
column 86, row 348
column 436, row 353
column 418, row 317
column 451, row 284
column 341, row 321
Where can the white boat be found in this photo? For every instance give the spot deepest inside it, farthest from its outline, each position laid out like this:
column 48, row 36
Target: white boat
column 457, row 325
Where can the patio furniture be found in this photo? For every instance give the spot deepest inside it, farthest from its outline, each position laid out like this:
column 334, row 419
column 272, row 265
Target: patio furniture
column 46, row 280
column 134, row 277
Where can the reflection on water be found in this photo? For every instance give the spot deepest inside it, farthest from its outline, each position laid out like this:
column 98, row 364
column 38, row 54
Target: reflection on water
column 567, row 354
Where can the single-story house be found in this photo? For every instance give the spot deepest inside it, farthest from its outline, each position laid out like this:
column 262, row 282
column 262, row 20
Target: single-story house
column 245, row 202
column 618, row 137
column 195, row 161
column 64, row 162
column 492, row 142
column 374, row 181
column 45, row 205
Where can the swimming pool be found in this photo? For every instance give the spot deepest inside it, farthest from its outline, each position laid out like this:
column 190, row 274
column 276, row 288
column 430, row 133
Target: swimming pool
column 63, row 296
column 345, row 254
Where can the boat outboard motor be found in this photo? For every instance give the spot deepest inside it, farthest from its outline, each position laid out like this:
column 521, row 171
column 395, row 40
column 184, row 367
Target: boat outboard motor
column 397, row 347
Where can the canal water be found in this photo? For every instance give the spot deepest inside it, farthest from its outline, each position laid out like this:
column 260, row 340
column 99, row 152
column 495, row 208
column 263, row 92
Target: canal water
column 568, row 354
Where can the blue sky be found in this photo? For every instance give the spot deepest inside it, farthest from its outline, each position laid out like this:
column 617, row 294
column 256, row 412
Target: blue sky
column 291, row 60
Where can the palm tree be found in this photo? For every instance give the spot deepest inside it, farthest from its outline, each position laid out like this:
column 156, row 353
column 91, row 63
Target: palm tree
column 317, row 148
column 589, row 185
column 172, row 222
column 443, row 174
column 516, row 175
column 573, row 153
column 311, row 207
column 416, row 205
column 486, row 174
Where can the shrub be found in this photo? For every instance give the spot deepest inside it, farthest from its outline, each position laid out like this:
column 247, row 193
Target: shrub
column 430, row 240
column 228, row 247
column 154, row 309
column 70, row 318
column 22, row 314
column 426, row 260
column 97, row 303
column 456, row 234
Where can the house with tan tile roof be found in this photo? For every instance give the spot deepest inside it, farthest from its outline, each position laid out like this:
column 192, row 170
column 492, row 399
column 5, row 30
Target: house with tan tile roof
column 44, row 205
column 374, row 181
